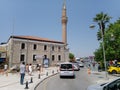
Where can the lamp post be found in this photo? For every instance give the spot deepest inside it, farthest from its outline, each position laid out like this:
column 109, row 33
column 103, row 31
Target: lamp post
column 103, row 50
column 104, row 57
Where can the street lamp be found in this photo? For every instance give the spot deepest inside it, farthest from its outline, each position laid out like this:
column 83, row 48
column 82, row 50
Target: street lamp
column 101, row 29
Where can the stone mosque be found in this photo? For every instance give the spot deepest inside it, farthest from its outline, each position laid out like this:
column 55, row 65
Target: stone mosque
column 34, row 50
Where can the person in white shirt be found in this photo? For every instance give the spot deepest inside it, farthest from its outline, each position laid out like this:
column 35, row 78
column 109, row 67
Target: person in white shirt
column 5, row 67
column 30, row 69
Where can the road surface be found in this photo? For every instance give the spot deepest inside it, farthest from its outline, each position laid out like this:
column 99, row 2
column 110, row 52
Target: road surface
column 81, row 82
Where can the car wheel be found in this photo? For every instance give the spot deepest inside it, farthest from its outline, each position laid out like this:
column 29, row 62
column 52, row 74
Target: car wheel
column 114, row 72
column 74, row 77
column 60, row 76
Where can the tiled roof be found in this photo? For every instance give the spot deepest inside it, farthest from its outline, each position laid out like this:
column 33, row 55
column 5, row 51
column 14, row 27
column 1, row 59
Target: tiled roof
column 36, row 39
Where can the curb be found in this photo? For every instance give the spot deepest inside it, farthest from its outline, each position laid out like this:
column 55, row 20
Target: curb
column 43, row 80
column 117, row 75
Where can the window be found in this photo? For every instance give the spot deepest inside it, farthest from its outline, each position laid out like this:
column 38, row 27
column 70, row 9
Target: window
column 22, row 57
column 34, row 59
column 35, row 47
column 45, row 47
column 53, row 57
column 59, row 48
column 64, row 48
column 52, row 48
column 66, row 66
column 114, row 85
column 23, row 46
column 59, row 57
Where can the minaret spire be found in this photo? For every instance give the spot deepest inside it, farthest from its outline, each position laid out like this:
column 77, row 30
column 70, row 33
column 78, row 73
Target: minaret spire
column 64, row 23
column 64, row 4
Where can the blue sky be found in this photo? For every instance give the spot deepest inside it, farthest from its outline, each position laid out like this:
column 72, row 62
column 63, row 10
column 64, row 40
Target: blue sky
column 42, row 18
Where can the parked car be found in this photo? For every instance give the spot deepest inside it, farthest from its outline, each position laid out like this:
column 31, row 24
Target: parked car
column 110, row 85
column 114, row 69
column 66, row 69
column 76, row 66
column 81, row 64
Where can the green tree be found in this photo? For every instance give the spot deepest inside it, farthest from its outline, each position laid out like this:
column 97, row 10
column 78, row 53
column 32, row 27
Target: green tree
column 98, row 54
column 71, row 57
column 101, row 19
column 112, row 41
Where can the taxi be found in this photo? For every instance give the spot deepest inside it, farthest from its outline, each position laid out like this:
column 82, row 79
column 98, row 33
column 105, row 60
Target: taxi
column 115, row 69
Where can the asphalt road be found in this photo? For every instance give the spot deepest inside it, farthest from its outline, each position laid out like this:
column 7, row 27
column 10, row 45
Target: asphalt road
column 81, row 82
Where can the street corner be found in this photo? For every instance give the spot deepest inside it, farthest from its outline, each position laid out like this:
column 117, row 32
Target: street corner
column 96, row 73
column 101, row 81
column 116, row 75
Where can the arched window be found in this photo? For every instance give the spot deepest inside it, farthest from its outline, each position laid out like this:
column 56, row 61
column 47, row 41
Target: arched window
column 35, row 47
column 22, row 57
column 52, row 48
column 45, row 47
column 23, row 46
column 59, row 57
column 59, row 48
column 34, row 57
column 53, row 57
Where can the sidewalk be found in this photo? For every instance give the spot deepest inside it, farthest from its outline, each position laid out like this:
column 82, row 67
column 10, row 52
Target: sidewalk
column 12, row 81
column 100, row 77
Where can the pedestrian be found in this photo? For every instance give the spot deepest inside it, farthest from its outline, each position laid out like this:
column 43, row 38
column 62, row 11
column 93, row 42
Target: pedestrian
column 115, row 62
column 89, row 65
column 111, row 62
column 93, row 64
column 27, row 68
column 99, row 68
column 22, row 72
column 5, row 67
column 30, row 69
column 37, row 67
column 40, row 67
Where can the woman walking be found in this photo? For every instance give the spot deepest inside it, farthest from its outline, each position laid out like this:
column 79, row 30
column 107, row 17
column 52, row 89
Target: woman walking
column 30, row 69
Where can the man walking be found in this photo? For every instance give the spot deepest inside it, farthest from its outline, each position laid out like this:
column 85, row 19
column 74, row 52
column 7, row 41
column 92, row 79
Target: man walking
column 22, row 72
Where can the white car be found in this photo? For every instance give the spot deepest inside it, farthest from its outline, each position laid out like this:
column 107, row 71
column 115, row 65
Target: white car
column 81, row 64
column 110, row 85
column 66, row 69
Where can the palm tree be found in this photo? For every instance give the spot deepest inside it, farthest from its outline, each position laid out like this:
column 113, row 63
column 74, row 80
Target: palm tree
column 101, row 19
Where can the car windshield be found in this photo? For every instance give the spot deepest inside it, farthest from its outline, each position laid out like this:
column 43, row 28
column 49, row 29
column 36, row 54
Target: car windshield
column 66, row 66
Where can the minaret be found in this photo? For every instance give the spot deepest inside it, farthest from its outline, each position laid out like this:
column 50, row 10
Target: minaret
column 64, row 23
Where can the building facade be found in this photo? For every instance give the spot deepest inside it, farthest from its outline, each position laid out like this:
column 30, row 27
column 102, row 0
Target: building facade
column 3, row 53
column 34, row 49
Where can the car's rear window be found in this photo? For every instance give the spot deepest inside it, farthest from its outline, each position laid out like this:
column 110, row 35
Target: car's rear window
column 66, row 66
